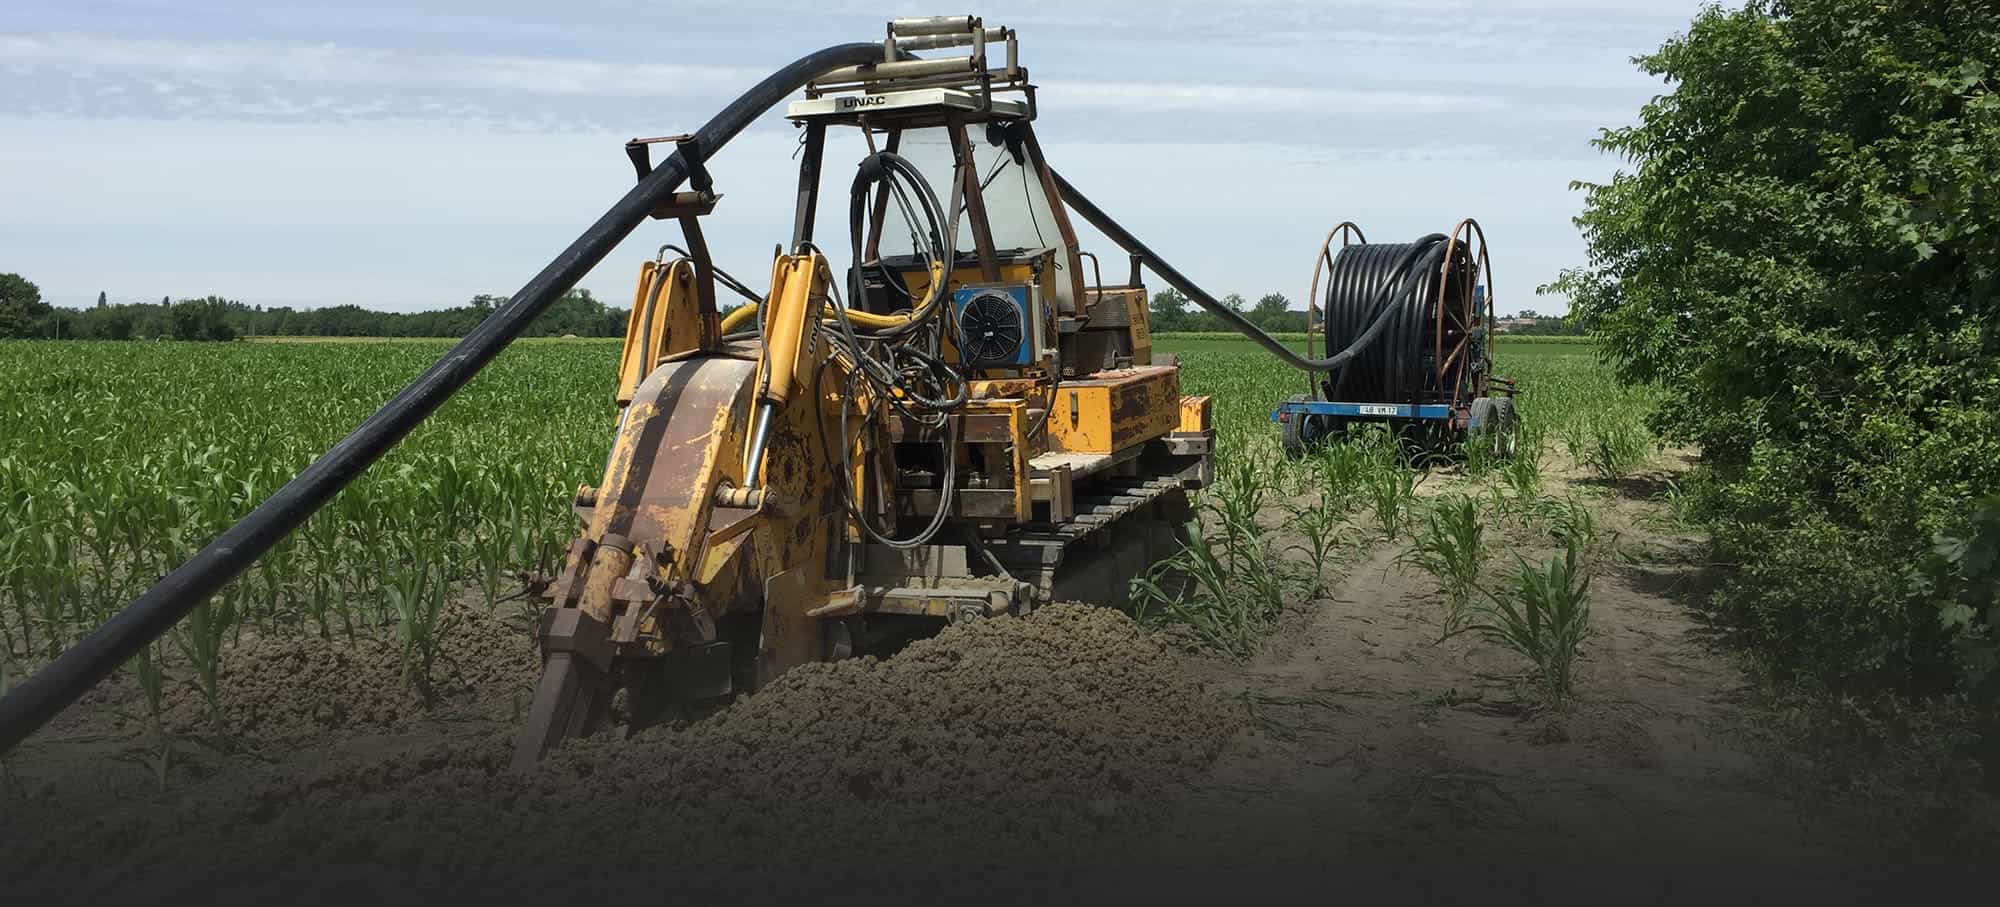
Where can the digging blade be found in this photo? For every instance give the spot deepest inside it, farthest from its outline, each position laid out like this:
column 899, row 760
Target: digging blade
column 562, row 708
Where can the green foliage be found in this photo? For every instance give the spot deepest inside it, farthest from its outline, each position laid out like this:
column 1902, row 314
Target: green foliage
column 1450, row 546
column 1967, row 562
column 1391, row 491
column 1611, row 446
column 118, row 461
column 1545, row 618
column 1522, row 475
column 1804, row 256
column 21, row 307
column 216, row 318
column 1169, row 311
column 202, row 319
column 1273, row 312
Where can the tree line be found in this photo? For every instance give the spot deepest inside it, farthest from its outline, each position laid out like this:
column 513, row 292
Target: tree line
column 1170, row 310
column 24, row 314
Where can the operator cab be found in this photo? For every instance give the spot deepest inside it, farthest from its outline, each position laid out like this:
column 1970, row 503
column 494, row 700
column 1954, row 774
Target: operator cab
column 1015, row 283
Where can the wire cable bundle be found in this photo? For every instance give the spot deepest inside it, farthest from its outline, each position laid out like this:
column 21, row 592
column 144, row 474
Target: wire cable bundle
column 898, row 360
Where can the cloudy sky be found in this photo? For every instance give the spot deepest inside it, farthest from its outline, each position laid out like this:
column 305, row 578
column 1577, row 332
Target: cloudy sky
column 408, row 154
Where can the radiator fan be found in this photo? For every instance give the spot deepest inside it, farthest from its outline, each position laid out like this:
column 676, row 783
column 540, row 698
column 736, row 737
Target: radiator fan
column 993, row 327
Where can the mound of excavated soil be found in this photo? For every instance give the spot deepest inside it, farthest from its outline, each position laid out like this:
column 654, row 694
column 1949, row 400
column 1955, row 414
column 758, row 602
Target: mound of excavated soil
column 998, row 750
column 278, row 692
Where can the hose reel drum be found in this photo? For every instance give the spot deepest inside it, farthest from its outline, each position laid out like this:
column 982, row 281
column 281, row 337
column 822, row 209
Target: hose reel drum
column 1418, row 320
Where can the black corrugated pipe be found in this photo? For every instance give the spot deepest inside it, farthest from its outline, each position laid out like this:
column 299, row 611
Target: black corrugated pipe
column 1417, row 258
column 1392, row 370
column 46, row 693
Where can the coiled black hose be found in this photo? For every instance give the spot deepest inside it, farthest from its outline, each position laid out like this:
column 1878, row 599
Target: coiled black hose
column 1364, row 292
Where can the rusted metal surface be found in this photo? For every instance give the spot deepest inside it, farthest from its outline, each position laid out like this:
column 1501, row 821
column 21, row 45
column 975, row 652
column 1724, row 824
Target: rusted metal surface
column 1113, row 410
column 720, row 514
column 1347, row 232
column 1471, row 237
column 966, row 187
column 569, row 701
column 1072, row 264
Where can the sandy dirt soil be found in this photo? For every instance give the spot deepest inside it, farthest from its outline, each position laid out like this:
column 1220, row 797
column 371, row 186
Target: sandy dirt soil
column 1068, row 757
column 1378, row 758
column 995, row 746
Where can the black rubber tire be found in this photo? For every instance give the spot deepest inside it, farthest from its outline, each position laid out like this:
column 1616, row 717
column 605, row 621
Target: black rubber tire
column 1498, row 426
column 1291, row 431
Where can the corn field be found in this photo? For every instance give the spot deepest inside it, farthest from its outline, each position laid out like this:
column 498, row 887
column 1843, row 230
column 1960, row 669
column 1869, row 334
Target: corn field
column 118, row 461
column 1333, row 507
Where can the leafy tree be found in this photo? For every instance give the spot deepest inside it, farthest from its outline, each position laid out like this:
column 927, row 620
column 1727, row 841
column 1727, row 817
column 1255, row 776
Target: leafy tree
column 1168, row 311
column 1273, row 312
column 1804, row 253
column 21, row 307
column 203, row 319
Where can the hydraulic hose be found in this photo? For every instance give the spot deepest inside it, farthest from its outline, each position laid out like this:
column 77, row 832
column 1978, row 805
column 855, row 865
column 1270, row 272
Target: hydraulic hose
column 48, row 691
column 1412, row 260
column 881, row 168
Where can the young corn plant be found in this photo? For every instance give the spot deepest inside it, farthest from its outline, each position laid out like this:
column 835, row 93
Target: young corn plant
column 158, row 752
column 1199, row 588
column 200, row 639
column 1572, row 523
column 1318, row 517
column 1545, row 618
column 1343, row 470
column 1241, row 485
column 1477, row 458
column 1522, row 475
column 19, row 633
column 491, row 559
column 417, row 596
column 1613, row 448
column 1450, row 546
column 1391, row 490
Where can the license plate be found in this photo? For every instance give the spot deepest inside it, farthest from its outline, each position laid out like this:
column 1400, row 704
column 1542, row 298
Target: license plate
column 1375, row 410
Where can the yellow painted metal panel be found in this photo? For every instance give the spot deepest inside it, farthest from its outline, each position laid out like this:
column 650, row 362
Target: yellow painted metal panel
column 1197, row 411
column 1111, row 411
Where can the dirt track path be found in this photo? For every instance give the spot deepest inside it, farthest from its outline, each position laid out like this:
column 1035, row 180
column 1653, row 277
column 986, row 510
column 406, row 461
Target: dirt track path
column 1379, row 759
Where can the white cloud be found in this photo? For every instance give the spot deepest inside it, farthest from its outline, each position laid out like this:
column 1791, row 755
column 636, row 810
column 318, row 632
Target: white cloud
column 1149, row 96
column 328, row 64
column 377, row 152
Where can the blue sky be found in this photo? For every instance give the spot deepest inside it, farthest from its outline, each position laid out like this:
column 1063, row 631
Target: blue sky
column 409, row 155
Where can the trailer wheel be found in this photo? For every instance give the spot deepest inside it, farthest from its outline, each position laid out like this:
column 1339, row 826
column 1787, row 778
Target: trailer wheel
column 1292, row 431
column 1495, row 424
